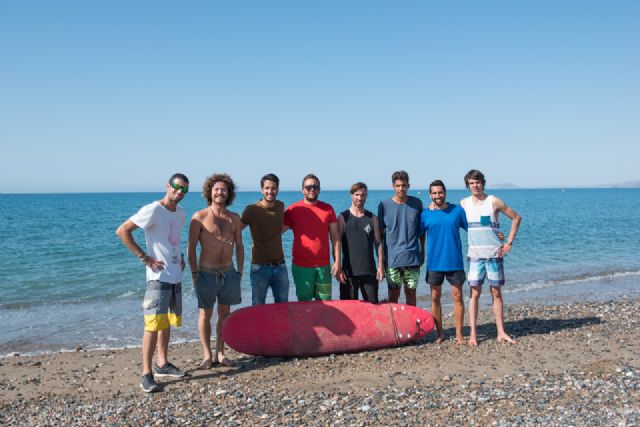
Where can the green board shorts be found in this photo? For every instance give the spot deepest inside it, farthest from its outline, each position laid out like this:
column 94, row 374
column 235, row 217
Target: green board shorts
column 407, row 276
column 312, row 282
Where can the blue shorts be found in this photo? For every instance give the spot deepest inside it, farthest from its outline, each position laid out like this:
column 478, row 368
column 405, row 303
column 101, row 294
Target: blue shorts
column 222, row 284
column 490, row 268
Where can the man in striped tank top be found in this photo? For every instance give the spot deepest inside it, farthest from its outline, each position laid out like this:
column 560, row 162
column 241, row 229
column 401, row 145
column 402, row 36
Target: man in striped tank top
column 486, row 251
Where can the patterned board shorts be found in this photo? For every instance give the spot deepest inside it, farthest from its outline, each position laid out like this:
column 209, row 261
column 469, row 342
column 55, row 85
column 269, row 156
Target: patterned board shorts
column 312, row 282
column 490, row 268
column 399, row 276
column 162, row 305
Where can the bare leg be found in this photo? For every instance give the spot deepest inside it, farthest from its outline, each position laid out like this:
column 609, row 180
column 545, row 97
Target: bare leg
column 204, row 327
column 436, row 310
column 394, row 295
column 496, row 293
column 473, row 314
column 410, row 295
column 149, row 340
column 163, row 347
column 223, row 312
column 458, row 311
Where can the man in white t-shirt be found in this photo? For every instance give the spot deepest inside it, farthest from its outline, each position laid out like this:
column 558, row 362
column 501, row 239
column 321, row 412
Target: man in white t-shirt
column 162, row 222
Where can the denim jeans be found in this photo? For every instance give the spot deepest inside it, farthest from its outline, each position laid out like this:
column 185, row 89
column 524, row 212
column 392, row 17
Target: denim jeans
column 264, row 276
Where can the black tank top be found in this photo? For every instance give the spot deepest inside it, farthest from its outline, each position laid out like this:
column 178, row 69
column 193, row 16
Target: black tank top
column 358, row 244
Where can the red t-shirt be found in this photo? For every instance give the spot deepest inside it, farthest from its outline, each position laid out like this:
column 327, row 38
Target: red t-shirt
column 310, row 226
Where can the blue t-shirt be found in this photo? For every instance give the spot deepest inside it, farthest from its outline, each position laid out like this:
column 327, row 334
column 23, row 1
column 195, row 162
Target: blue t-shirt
column 444, row 248
column 400, row 223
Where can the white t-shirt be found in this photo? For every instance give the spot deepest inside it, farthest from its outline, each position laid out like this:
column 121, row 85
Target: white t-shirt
column 162, row 230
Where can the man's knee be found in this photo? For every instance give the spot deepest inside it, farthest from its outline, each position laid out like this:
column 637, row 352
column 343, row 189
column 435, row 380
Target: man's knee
column 223, row 310
column 206, row 313
column 456, row 293
column 436, row 293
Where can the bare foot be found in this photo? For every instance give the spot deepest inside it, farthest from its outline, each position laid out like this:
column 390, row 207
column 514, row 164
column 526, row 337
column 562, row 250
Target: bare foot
column 459, row 340
column 205, row 365
column 440, row 339
column 506, row 338
column 473, row 341
column 224, row 361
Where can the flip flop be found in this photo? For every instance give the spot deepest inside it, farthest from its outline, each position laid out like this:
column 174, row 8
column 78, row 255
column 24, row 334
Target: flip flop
column 205, row 365
column 225, row 362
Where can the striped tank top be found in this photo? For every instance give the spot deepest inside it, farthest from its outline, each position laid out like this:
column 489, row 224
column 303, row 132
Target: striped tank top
column 483, row 228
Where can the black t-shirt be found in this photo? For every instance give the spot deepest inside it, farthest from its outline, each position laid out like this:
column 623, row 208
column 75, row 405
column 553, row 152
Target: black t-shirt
column 358, row 244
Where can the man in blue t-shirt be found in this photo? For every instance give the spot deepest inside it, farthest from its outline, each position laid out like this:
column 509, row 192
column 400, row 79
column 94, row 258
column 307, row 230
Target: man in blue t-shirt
column 399, row 219
column 444, row 254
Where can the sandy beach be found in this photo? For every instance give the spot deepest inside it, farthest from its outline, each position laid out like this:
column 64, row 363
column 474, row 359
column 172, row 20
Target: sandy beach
column 575, row 364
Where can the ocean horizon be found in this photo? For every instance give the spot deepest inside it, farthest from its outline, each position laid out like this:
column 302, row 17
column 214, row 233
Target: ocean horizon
column 68, row 282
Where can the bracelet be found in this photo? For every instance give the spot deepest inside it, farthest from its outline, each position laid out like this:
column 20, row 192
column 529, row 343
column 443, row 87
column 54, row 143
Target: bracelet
column 193, row 273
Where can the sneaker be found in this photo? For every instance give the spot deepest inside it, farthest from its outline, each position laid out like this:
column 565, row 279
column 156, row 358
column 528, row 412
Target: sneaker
column 168, row 370
column 148, row 384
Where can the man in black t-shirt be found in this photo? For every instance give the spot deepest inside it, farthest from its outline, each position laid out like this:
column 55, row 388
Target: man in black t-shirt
column 360, row 238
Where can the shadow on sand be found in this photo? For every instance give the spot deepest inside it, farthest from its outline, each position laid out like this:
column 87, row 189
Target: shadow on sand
column 522, row 328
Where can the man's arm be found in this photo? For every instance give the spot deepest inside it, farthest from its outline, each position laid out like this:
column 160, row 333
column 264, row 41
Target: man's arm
column 239, row 245
column 377, row 241
column 245, row 219
column 501, row 206
column 422, row 233
column 336, row 242
column 125, row 233
column 337, row 249
column 194, row 235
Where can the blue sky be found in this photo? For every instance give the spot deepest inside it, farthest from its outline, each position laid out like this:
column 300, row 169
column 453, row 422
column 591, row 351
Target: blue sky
column 116, row 96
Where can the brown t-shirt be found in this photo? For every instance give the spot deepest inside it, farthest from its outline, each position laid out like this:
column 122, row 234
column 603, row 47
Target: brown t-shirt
column 265, row 225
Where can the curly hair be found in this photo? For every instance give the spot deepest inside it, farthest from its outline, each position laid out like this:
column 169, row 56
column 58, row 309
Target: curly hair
column 211, row 181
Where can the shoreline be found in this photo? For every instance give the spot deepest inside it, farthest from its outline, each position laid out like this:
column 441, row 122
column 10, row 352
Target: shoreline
column 574, row 364
column 605, row 288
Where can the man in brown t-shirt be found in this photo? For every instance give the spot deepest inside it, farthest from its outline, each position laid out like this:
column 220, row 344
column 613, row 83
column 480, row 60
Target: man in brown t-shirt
column 265, row 220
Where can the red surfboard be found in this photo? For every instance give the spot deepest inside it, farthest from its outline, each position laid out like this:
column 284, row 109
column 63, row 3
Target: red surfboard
column 315, row 328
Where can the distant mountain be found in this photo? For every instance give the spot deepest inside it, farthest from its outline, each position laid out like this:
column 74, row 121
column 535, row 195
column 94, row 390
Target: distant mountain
column 502, row 186
column 627, row 184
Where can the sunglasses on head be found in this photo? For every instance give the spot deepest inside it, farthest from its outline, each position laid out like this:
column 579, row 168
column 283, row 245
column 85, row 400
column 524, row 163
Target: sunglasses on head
column 185, row 188
column 311, row 187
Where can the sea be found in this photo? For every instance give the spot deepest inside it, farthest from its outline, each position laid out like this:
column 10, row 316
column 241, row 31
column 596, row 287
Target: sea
column 67, row 282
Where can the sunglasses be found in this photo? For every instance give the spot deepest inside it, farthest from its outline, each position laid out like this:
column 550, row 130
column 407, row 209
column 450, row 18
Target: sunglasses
column 185, row 189
column 311, row 187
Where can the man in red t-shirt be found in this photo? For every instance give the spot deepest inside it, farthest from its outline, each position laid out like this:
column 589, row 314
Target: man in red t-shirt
column 312, row 223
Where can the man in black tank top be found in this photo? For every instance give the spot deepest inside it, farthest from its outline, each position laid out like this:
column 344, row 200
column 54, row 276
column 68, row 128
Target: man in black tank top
column 360, row 238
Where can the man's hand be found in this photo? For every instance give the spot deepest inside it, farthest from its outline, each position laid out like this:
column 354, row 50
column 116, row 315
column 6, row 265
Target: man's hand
column 155, row 264
column 504, row 250
column 380, row 274
column 336, row 271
